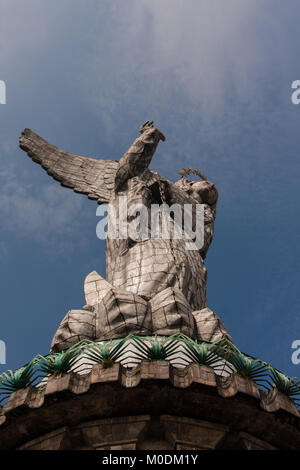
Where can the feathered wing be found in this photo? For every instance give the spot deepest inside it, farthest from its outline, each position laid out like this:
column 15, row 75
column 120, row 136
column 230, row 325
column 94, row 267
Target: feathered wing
column 91, row 176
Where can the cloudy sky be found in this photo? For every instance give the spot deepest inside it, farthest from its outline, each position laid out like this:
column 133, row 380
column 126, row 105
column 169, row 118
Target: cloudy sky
column 216, row 77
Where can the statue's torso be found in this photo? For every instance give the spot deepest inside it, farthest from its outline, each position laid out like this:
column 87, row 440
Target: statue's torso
column 148, row 266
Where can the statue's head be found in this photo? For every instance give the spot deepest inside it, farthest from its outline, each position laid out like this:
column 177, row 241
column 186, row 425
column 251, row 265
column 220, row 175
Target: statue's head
column 203, row 191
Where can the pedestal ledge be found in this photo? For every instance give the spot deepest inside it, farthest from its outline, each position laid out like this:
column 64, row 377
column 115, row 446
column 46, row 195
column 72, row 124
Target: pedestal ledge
column 151, row 406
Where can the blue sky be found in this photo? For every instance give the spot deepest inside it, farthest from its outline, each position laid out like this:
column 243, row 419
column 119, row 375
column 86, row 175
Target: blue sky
column 216, row 77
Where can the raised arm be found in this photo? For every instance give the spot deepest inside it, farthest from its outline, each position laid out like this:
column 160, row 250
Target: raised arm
column 139, row 155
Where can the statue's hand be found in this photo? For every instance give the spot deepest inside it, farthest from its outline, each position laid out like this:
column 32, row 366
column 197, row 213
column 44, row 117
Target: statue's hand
column 149, row 125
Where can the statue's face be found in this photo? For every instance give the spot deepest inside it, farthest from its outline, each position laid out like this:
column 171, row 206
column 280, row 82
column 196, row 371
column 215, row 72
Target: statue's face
column 195, row 190
column 202, row 191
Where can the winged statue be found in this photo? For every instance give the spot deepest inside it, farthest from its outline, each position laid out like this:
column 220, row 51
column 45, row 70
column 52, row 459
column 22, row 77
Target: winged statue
column 153, row 285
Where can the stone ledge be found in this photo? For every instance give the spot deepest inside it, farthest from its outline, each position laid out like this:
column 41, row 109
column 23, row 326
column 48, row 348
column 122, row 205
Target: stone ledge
column 67, row 417
column 226, row 387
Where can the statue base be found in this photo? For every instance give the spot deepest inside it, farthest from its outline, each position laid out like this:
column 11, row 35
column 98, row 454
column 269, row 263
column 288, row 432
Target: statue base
column 112, row 313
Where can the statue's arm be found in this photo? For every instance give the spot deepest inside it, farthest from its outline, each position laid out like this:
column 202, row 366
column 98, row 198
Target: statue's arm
column 91, row 176
column 139, row 155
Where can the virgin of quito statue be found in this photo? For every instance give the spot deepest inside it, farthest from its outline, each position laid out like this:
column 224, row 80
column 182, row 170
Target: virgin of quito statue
column 156, row 281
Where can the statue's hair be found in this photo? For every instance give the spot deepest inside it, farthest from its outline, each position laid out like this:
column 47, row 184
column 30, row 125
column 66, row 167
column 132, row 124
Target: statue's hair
column 188, row 171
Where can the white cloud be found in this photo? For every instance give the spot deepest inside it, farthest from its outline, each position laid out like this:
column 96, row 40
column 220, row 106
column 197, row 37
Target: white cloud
column 207, row 49
column 211, row 71
column 27, row 28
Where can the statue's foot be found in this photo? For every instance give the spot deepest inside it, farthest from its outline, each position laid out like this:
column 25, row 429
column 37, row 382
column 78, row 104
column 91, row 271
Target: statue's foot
column 171, row 313
column 209, row 326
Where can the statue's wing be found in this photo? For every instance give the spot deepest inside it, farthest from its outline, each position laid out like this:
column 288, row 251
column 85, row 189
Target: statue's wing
column 91, row 176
